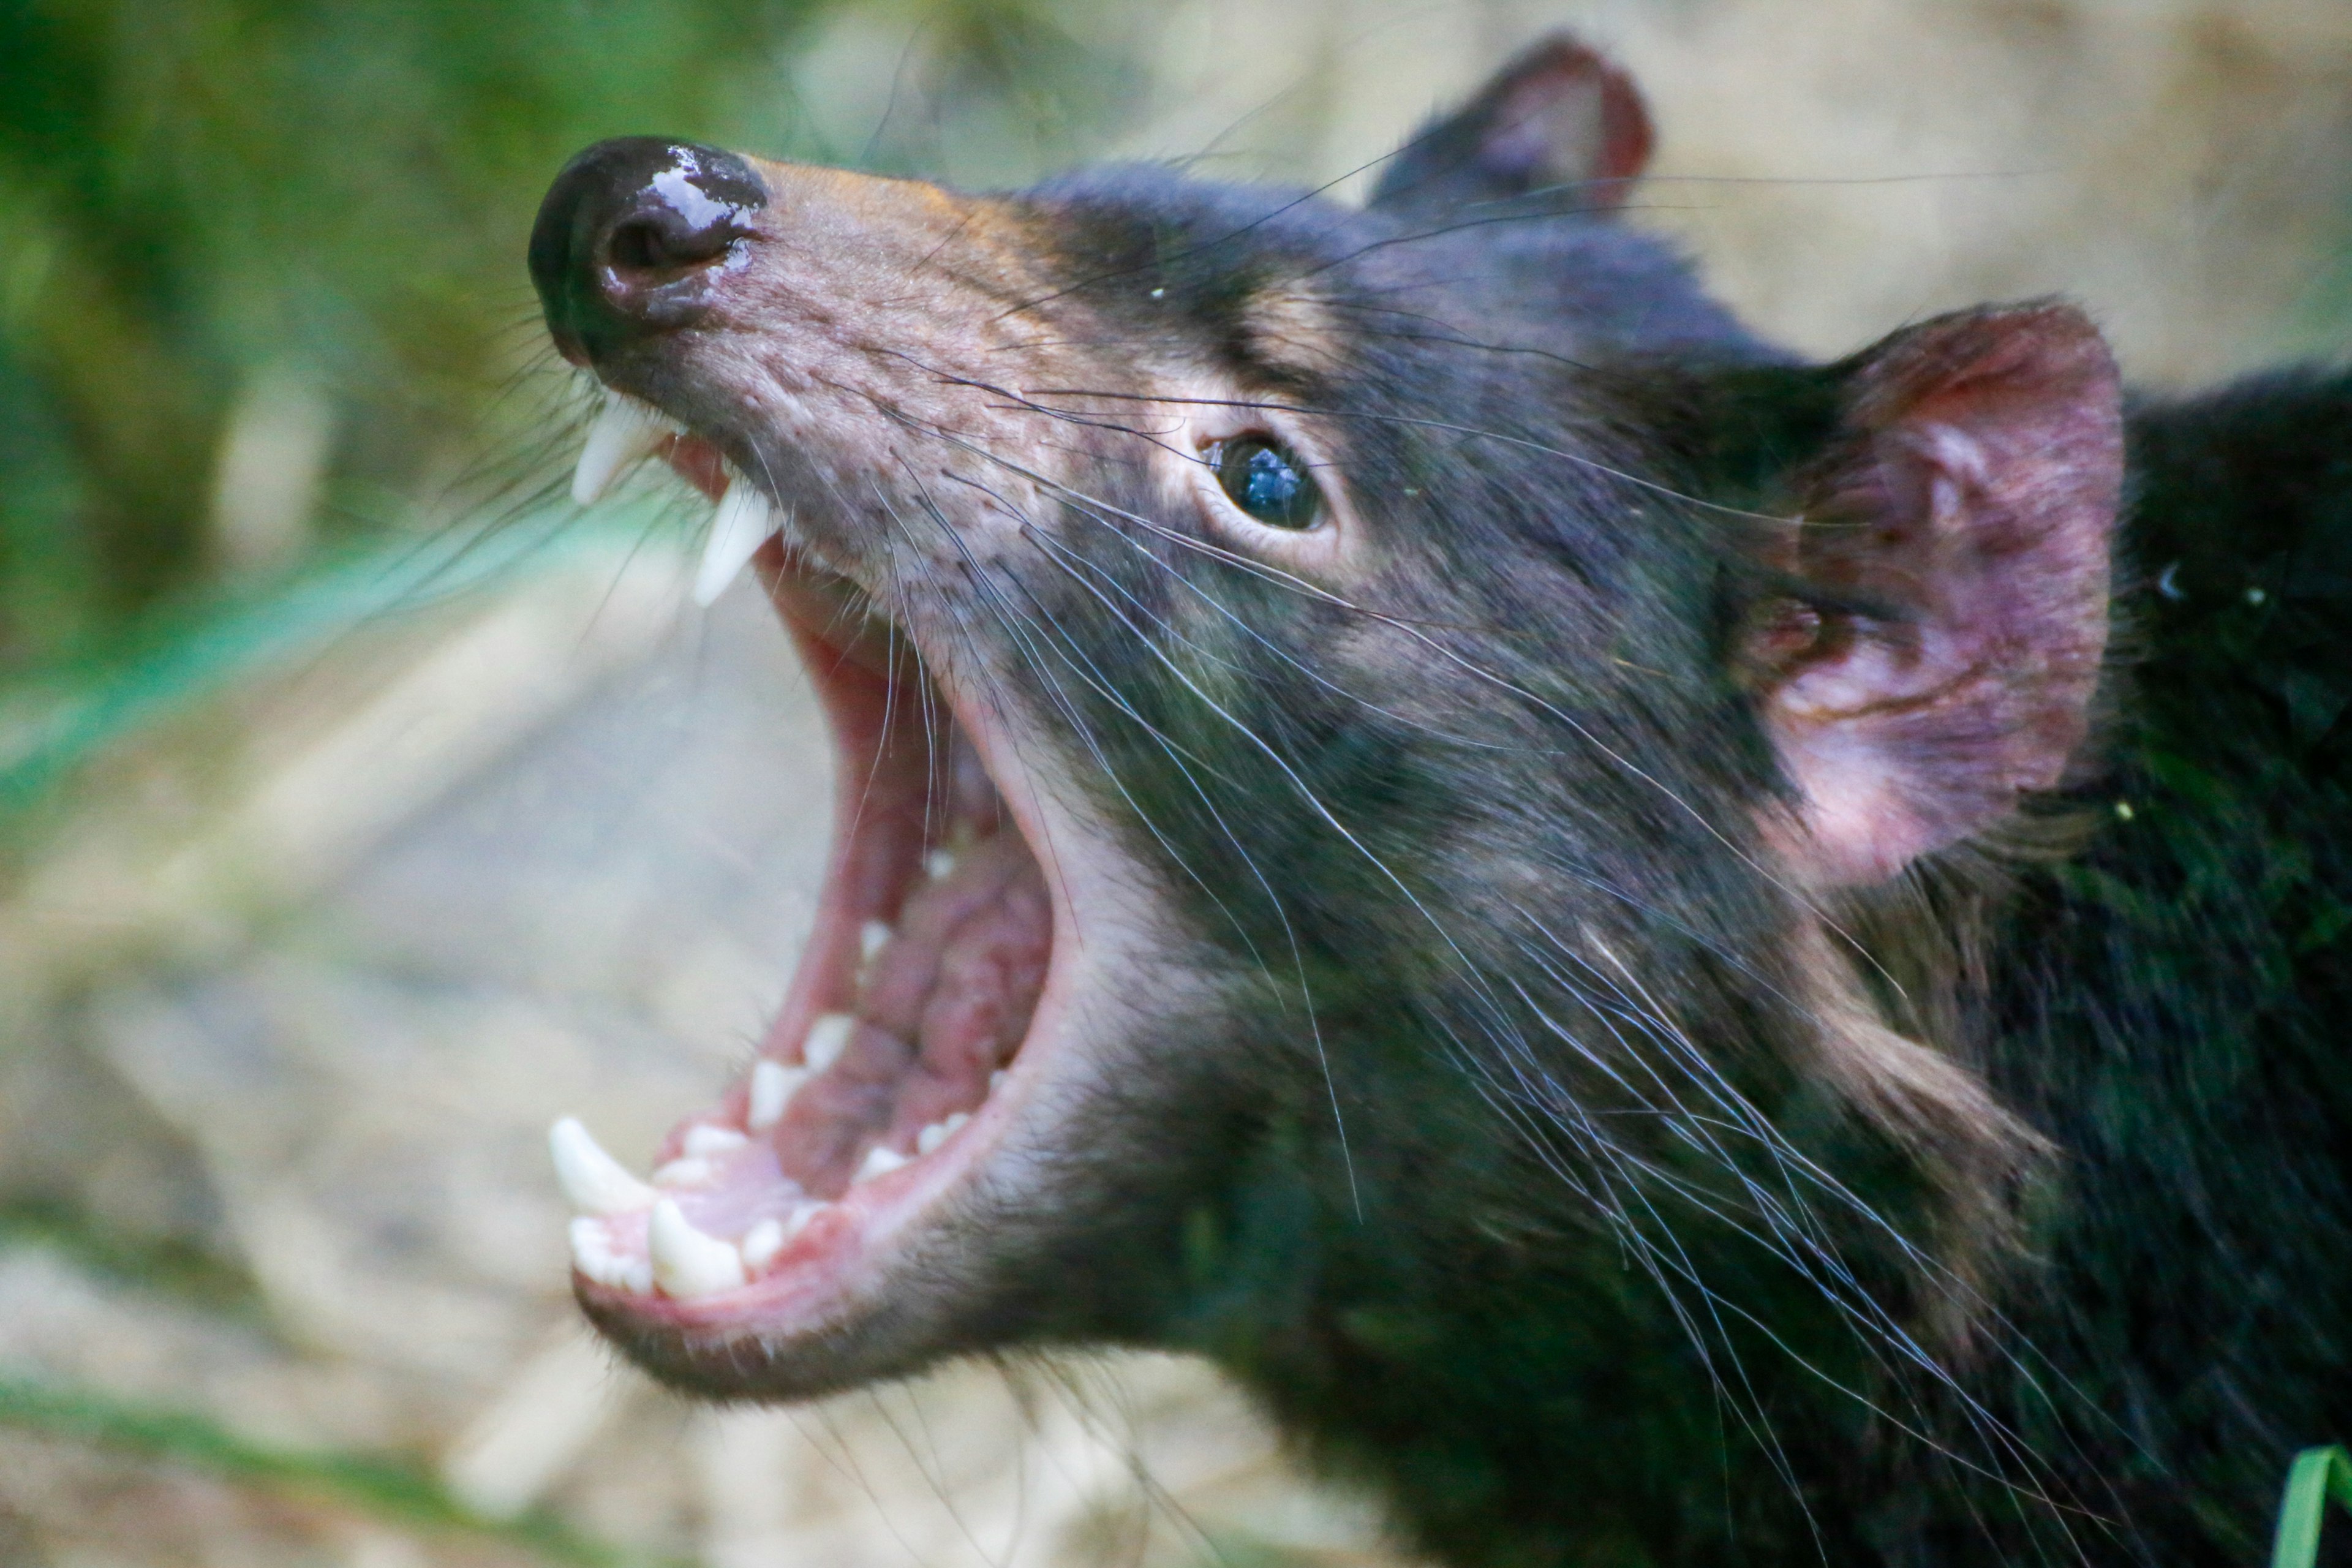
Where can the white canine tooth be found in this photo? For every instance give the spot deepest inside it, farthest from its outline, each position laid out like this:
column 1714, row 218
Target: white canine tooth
column 593, row 1180
column 938, row 863
column 872, row 937
column 686, row 1172
column 771, row 1090
column 624, row 435
column 825, row 1039
column 743, row 522
column 685, row 1262
column 704, row 1139
column 879, row 1162
column 593, row 1254
column 762, row 1243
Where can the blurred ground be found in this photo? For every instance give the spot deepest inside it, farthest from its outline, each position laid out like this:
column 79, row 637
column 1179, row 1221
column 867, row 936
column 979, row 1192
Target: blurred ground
column 292, row 983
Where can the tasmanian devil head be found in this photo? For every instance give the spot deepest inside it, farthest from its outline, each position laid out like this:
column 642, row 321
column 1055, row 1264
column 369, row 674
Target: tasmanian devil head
column 1361, row 735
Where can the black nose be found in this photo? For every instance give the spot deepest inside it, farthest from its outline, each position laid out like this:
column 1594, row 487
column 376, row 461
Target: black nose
column 629, row 236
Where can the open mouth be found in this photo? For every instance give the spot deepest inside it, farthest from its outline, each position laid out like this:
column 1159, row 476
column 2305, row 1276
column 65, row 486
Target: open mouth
column 895, row 1065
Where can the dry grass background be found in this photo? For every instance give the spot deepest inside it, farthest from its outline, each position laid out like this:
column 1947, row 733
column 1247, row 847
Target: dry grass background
column 295, row 983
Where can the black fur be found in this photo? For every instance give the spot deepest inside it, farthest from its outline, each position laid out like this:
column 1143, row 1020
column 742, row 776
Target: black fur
column 1518, row 1280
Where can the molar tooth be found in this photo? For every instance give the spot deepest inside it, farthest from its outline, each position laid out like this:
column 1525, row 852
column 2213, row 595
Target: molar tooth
column 593, row 1180
column 704, row 1139
column 773, row 1084
column 743, row 522
column 593, row 1254
column 624, row 435
column 687, row 1263
column 872, row 937
column 685, row 1171
column 762, row 1243
column 940, row 1131
column 826, row 1040
column 879, row 1162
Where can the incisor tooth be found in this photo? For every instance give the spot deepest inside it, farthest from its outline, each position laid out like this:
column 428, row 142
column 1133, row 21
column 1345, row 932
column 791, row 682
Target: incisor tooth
column 593, row 1180
column 826, row 1036
column 685, row 1262
column 624, row 435
column 878, row 1161
column 703, row 1139
column 593, row 1254
column 743, row 522
column 771, row 1090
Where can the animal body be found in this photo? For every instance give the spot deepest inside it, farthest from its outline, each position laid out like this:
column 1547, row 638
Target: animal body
column 1675, row 955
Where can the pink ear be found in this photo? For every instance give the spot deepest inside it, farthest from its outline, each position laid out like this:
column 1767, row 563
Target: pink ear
column 1562, row 113
column 1559, row 120
column 1959, row 524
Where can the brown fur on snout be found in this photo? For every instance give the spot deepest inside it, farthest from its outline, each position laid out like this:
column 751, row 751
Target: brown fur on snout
column 869, row 359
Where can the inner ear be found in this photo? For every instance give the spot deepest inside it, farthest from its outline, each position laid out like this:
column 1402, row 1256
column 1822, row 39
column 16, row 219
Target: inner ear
column 1938, row 656
column 1560, row 121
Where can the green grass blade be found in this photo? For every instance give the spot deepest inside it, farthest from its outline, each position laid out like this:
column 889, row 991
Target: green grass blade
column 2317, row 1475
column 210, row 647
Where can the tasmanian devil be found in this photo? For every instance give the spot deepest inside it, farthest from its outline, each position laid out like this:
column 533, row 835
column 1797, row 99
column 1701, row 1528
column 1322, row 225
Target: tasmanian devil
column 1675, row 955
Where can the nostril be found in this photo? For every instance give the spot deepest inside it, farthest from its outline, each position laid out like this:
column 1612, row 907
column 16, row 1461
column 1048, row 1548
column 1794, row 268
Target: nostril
column 638, row 247
column 662, row 244
column 624, row 230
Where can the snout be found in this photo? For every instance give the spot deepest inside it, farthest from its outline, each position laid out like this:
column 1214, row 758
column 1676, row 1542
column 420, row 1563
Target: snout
column 631, row 237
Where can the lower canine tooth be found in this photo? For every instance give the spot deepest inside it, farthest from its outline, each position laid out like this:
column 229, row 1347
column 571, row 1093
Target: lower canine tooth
column 771, row 1090
column 879, row 1162
column 593, row 1180
column 743, row 522
column 624, row 435
column 685, row 1262
column 938, row 863
column 825, row 1039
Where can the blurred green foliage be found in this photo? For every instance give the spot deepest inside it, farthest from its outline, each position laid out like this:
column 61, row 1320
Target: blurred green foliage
column 210, row 209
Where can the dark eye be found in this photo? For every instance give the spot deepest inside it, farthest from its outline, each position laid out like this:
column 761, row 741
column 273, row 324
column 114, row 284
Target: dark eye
column 1266, row 479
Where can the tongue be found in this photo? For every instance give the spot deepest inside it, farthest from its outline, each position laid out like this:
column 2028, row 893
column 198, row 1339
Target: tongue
column 943, row 1005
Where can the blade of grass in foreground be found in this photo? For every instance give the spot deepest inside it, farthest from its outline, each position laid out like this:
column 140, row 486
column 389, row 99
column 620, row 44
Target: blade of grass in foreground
column 209, row 647
column 384, row 1489
column 2317, row 1475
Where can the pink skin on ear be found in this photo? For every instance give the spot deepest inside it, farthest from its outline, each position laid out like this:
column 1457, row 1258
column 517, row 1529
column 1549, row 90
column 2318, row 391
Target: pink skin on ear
column 1564, row 115
column 1972, row 494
